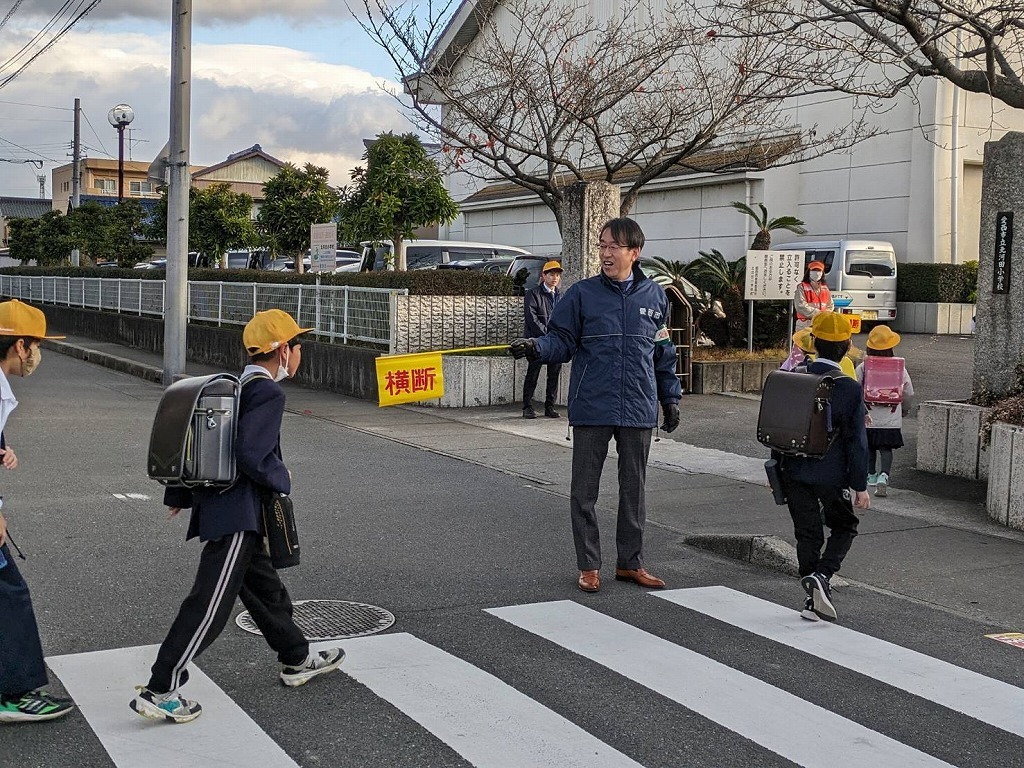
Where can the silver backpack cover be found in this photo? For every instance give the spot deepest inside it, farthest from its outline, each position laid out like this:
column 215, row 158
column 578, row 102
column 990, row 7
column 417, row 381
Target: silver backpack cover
column 193, row 439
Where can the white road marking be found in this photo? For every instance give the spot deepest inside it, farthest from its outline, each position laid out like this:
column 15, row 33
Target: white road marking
column 224, row 736
column 983, row 698
column 482, row 718
column 134, row 496
column 802, row 732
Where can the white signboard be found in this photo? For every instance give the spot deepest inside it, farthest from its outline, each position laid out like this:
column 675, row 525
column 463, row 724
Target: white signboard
column 323, row 244
column 772, row 275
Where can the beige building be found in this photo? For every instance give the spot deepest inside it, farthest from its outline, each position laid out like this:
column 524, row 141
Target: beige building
column 99, row 180
column 246, row 171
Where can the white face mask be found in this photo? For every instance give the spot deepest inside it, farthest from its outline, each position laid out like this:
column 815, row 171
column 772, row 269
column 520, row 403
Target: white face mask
column 815, row 275
column 29, row 365
column 282, row 369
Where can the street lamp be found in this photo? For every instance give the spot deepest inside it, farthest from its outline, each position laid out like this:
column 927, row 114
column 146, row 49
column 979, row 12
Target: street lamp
column 120, row 117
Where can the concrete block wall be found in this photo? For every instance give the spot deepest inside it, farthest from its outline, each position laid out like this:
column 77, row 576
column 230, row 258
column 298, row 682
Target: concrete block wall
column 949, row 441
column 1005, row 502
column 940, row 319
column 425, row 323
column 478, row 380
column 711, row 377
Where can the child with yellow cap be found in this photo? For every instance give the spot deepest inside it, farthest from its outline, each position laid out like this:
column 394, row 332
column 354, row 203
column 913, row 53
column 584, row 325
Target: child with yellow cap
column 885, row 420
column 824, row 491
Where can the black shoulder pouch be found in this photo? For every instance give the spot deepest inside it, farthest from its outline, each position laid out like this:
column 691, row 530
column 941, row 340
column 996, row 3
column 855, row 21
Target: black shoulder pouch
column 282, row 536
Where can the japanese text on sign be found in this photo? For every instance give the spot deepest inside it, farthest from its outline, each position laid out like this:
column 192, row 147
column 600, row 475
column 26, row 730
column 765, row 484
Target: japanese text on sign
column 772, row 275
column 1004, row 245
column 409, row 378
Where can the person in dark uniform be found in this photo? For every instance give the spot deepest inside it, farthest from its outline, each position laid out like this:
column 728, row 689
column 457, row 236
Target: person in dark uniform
column 234, row 562
column 22, row 669
column 538, row 305
column 825, row 491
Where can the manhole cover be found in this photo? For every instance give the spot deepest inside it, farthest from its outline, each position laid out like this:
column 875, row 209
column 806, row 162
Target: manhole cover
column 331, row 619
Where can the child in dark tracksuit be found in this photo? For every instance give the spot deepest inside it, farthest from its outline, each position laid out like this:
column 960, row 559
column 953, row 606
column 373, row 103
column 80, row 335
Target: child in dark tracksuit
column 22, row 668
column 829, row 487
column 234, row 562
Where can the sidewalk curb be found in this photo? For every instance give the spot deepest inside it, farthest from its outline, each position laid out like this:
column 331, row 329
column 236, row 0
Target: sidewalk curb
column 122, row 364
column 769, row 552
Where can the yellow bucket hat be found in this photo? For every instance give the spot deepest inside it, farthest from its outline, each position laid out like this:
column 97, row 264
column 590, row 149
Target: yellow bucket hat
column 882, row 337
column 831, row 326
column 804, row 340
column 268, row 330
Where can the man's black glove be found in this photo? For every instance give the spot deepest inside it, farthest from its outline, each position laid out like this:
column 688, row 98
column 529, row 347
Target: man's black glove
column 671, row 411
column 524, row 348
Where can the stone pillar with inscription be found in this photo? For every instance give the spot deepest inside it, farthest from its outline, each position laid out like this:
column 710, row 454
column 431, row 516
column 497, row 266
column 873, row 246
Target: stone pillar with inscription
column 999, row 339
column 588, row 205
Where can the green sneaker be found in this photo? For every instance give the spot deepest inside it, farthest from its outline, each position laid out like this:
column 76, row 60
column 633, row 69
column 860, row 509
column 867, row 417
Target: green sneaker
column 34, row 706
column 169, row 707
column 873, row 479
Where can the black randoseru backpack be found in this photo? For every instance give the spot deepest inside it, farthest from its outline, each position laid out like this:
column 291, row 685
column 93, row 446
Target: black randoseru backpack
column 796, row 413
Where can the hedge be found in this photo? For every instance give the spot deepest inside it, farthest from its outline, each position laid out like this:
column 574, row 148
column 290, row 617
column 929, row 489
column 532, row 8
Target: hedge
column 425, row 282
column 954, row 283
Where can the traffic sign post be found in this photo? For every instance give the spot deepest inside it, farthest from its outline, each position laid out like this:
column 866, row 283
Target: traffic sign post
column 323, row 246
column 771, row 276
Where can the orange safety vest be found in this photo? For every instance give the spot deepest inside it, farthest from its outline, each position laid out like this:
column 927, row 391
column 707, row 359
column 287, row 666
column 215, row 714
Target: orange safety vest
column 819, row 300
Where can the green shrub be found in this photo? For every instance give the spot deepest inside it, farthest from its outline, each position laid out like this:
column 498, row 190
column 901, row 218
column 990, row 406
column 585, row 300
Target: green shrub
column 956, row 283
column 426, row 282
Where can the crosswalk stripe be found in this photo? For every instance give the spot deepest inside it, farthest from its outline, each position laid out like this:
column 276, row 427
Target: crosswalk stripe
column 991, row 701
column 777, row 720
column 223, row 737
column 482, row 718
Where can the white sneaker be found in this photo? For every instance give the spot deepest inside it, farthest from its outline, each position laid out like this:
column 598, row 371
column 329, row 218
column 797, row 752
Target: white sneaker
column 873, row 478
column 315, row 664
column 170, row 707
column 882, row 488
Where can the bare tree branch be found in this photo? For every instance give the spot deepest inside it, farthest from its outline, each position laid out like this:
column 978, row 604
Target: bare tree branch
column 543, row 95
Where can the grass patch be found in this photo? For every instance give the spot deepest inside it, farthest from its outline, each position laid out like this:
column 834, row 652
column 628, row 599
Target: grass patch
column 717, row 354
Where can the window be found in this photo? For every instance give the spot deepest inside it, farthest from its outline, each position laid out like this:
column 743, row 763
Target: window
column 825, row 257
column 140, row 187
column 871, row 263
column 422, row 256
column 469, row 254
column 106, row 185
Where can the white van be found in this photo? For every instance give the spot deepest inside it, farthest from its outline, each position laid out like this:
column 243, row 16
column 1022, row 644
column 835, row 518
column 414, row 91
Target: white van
column 864, row 270
column 427, row 254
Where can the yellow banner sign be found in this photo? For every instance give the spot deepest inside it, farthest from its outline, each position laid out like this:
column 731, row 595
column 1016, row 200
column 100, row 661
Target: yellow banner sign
column 409, row 378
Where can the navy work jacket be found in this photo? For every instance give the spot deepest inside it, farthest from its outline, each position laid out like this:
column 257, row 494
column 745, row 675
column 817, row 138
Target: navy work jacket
column 620, row 371
column 538, row 304
column 219, row 512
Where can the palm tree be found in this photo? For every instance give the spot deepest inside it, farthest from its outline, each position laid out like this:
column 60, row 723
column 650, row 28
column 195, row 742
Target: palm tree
column 725, row 282
column 763, row 238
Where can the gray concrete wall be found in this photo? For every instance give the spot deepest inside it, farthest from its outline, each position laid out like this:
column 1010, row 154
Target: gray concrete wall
column 334, row 367
column 1005, row 501
column 934, row 318
column 450, row 322
column 949, row 442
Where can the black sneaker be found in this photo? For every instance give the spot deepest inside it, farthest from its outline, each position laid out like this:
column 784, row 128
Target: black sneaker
column 817, row 588
column 529, row 413
column 808, row 611
column 34, row 706
column 551, row 413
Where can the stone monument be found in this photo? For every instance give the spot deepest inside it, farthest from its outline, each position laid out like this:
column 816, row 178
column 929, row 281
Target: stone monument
column 999, row 322
column 588, row 205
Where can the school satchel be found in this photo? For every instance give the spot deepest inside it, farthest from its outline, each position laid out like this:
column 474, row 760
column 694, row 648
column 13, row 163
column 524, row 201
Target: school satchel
column 796, row 413
column 883, row 380
column 279, row 528
column 192, row 442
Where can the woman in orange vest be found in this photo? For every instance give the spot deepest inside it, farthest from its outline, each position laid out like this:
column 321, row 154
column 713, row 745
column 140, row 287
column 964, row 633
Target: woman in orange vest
column 812, row 295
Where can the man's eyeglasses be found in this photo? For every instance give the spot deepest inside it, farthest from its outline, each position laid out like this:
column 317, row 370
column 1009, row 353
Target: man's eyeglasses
column 612, row 247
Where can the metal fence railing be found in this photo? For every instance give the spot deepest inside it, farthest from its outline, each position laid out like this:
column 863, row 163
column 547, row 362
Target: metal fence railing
column 340, row 313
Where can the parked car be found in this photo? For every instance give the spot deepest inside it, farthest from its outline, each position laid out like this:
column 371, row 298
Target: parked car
column 499, row 265
column 864, row 270
column 344, row 261
column 429, row 254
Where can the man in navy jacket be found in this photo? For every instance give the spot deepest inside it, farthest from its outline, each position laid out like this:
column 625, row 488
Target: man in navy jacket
column 613, row 328
column 829, row 487
column 538, row 304
column 234, row 562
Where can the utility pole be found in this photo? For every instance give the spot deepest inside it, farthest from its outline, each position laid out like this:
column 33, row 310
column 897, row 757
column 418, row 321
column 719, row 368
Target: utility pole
column 76, row 173
column 176, row 302
column 41, row 178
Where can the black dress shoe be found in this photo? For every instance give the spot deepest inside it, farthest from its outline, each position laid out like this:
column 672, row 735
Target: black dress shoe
column 551, row 413
column 529, row 413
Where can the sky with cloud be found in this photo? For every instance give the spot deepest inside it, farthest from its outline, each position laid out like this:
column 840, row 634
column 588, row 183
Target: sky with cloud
column 298, row 77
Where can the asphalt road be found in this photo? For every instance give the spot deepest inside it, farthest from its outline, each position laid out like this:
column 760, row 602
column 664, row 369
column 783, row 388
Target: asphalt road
column 439, row 541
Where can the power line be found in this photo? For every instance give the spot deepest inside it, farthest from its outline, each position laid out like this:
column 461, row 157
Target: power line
column 82, row 13
column 89, row 122
column 10, row 13
column 26, row 149
column 39, row 106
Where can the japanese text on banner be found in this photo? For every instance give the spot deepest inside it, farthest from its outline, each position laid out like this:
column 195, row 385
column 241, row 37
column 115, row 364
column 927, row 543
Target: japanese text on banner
column 409, row 378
